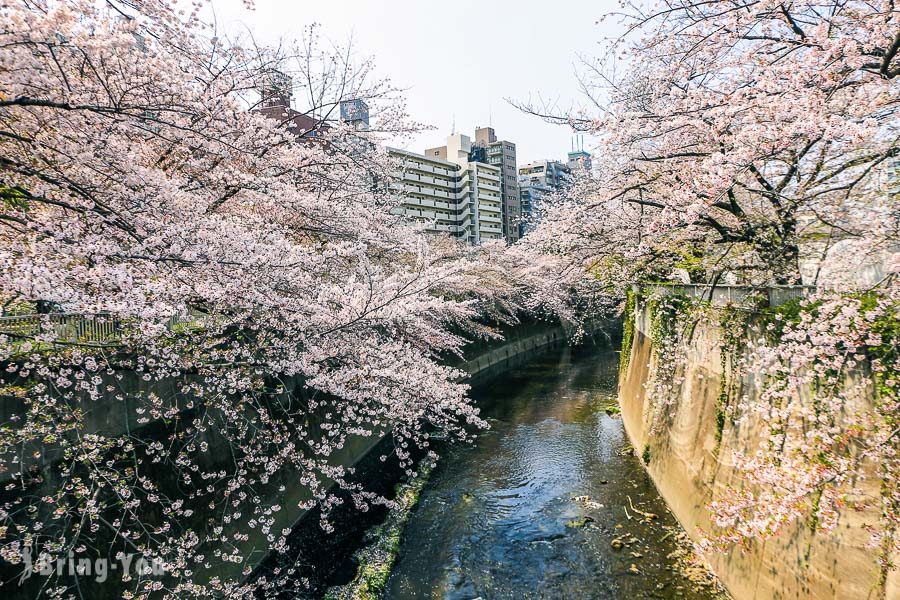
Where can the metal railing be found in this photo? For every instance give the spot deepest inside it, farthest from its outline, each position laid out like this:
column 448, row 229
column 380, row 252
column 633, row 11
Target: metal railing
column 72, row 328
column 736, row 295
column 94, row 330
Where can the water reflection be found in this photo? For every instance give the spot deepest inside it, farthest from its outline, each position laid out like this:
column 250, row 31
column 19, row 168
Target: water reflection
column 501, row 520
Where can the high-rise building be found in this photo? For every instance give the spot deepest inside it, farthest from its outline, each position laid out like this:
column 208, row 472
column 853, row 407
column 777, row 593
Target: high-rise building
column 537, row 180
column 454, row 194
column 502, row 153
column 355, row 113
column 487, row 149
column 547, row 173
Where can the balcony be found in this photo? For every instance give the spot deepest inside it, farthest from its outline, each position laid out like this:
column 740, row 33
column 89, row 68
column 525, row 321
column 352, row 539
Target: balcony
column 407, row 188
column 429, row 215
column 426, row 168
column 490, row 208
column 420, row 203
column 449, row 228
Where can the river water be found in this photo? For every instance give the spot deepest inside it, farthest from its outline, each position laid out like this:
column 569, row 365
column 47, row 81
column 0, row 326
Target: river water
column 508, row 518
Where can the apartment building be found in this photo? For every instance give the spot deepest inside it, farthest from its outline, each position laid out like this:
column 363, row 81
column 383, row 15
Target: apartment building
column 551, row 174
column 579, row 158
column 455, row 195
column 502, row 153
column 276, row 95
column 452, row 187
column 537, row 180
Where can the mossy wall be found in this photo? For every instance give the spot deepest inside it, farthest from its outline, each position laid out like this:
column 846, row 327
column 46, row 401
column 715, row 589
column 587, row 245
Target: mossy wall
column 691, row 463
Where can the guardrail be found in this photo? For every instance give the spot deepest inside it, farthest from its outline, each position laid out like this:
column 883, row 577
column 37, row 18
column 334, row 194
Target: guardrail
column 738, row 295
column 72, row 328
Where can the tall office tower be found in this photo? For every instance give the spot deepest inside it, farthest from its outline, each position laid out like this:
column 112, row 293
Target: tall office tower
column 454, row 194
column 536, row 181
column 502, row 153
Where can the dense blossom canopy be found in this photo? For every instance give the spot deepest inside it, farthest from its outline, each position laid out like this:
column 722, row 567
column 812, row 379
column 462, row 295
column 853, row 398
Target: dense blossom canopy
column 761, row 133
column 270, row 305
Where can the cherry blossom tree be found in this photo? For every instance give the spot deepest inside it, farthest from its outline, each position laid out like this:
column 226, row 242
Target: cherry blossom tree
column 270, row 307
column 755, row 126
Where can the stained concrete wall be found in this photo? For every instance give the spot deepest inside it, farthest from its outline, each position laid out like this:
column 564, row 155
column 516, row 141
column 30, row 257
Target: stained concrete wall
column 691, row 468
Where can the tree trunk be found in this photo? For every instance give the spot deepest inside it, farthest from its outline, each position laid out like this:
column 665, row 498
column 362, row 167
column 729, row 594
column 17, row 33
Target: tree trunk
column 782, row 261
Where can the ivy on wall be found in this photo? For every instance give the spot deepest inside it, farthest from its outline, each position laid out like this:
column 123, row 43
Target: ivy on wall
column 824, row 400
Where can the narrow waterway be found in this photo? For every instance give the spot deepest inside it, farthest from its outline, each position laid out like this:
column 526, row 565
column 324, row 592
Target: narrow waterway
column 541, row 505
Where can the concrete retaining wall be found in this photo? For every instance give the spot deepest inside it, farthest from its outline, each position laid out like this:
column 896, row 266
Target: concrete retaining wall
column 691, row 468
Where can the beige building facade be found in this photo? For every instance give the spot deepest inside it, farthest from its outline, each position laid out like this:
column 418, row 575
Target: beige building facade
column 454, row 195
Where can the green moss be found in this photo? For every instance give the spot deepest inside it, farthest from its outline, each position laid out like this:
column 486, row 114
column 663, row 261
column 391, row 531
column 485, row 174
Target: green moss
column 645, row 455
column 377, row 559
column 374, row 581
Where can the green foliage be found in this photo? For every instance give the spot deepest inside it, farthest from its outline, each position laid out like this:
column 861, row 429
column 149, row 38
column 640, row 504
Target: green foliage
column 645, row 455
column 692, row 260
column 14, row 391
column 19, row 308
column 627, row 331
column 733, row 323
column 13, row 197
column 887, row 353
column 780, row 316
column 664, row 315
column 669, row 329
column 888, row 327
column 721, row 407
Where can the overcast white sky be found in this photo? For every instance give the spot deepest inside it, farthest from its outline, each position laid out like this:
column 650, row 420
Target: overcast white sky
column 489, row 50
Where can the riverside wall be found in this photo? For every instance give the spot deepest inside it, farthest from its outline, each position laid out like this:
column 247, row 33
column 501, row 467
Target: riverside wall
column 691, row 462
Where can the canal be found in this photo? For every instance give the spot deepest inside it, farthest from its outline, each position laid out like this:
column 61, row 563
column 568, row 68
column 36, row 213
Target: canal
column 551, row 502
